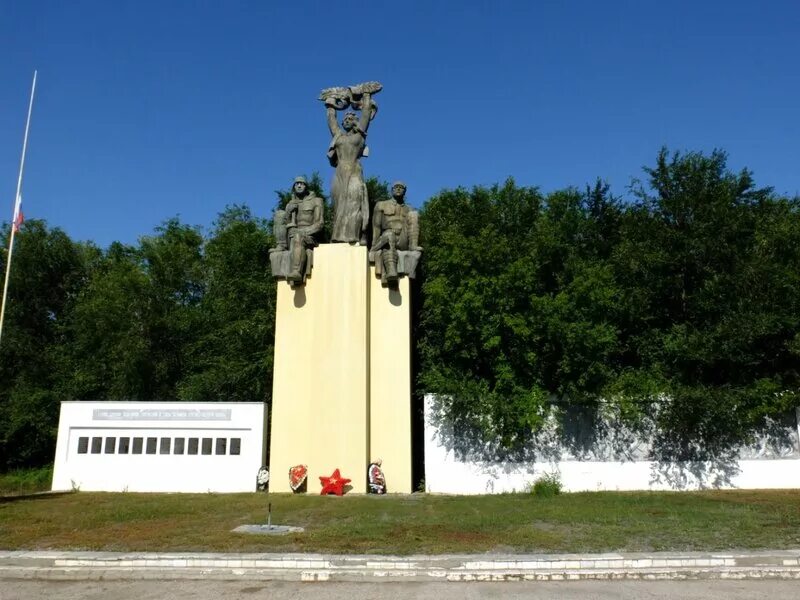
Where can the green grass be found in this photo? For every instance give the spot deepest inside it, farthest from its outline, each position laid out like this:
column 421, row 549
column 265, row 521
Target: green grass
column 419, row 523
column 547, row 486
column 25, row 481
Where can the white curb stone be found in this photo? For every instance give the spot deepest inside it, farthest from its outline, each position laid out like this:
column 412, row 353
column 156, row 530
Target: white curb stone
column 770, row 564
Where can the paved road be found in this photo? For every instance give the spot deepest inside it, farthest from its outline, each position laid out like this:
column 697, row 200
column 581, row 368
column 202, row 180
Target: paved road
column 227, row 590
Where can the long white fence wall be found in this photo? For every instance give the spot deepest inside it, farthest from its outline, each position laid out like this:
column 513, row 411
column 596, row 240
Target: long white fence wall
column 159, row 446
column 447, row 471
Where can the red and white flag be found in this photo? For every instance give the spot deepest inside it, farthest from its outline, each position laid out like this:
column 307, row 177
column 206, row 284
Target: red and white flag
column 19, row 218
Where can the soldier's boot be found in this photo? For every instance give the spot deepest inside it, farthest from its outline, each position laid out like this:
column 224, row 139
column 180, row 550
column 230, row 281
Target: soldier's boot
column 296, row 273
column 390, row 262
column 297, row 262
column 279, row 231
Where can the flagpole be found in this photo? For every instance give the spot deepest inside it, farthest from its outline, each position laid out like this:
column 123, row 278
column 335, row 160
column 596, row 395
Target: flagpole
column 17, row 207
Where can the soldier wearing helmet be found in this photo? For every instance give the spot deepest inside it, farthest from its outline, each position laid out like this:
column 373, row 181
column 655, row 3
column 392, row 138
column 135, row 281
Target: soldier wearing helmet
column 395, row 226
column 296, row 228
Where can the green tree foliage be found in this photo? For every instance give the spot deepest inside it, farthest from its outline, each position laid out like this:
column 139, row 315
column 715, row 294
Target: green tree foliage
column 175, row 317
column 518, row 303
column 108, row 331
column 49, row 270
column 134, row 321
column 173, row 263
column 678, row 310
column 232, row 358
column 709, row 267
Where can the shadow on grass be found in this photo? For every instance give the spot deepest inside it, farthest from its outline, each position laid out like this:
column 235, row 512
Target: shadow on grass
column 34, row 496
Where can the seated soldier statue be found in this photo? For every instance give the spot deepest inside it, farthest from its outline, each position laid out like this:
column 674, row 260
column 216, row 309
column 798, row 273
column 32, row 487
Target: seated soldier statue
column 296, row 228
column 395, row 228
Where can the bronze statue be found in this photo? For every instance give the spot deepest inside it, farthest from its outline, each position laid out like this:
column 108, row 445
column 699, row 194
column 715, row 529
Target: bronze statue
column 349, row 144
column 296, row 228
column 395, row 236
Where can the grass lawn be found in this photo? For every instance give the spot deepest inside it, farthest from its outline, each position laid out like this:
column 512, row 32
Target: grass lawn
column 25, row 481
column 419, row 523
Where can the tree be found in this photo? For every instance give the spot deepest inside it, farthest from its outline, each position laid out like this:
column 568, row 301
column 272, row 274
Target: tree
column 708, row 265
column 477, row 343
column 107, row 354
column 173, row 262
column 678, row 311
column 232, row 358
column 48, row 270
column 135, row 318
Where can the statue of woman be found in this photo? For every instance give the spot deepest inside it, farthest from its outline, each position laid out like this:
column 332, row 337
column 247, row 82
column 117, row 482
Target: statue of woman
column 349, row 144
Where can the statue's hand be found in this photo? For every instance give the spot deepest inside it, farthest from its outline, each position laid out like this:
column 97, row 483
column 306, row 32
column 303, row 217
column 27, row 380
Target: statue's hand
column 336, row 97
column 337, row 103
column 359, row 105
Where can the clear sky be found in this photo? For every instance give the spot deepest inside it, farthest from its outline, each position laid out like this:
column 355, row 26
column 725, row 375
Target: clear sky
column 150, row 109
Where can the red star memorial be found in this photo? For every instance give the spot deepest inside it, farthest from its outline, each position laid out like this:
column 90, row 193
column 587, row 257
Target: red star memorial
column 333, row 484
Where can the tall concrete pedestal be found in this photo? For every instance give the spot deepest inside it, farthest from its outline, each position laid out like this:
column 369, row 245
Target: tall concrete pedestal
column 320, row 383
column 341, row 392
column 390, row 380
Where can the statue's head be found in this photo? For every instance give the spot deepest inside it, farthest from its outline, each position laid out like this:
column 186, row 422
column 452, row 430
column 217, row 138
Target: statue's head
column 349, row 121
column 300, row 186
column 398, row 190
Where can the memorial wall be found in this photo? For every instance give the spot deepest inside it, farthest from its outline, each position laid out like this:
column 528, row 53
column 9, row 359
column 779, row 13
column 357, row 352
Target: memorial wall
column 159, row 446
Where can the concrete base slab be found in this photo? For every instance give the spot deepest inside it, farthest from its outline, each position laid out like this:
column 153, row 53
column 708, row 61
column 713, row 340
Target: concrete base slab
column 267, row 529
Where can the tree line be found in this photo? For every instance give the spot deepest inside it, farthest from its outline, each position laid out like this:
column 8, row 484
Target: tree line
column 677, row 306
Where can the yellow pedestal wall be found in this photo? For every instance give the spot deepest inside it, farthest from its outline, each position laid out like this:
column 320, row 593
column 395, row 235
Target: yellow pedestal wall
column 320, row 392
column 390, row 381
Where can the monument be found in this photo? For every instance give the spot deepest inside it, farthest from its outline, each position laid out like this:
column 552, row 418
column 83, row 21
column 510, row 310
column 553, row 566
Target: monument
column 295, row 229
column 342, row 368
column 349, row 144
column 395, row 237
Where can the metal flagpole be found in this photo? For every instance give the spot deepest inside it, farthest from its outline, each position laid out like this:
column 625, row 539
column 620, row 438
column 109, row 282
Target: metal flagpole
column 17, row 207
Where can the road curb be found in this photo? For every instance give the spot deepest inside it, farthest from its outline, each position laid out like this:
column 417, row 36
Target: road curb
column 784, row 564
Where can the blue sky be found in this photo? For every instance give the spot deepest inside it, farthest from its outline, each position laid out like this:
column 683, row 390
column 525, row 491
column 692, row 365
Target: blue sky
column 147, row 110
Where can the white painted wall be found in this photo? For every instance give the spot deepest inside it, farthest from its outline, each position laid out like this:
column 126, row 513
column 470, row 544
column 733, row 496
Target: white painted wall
column 115, row 472
column 445, row 474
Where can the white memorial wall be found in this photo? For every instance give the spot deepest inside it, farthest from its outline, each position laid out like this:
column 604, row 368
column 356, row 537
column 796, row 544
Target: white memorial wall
column 160, row 446
column 618, row 462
